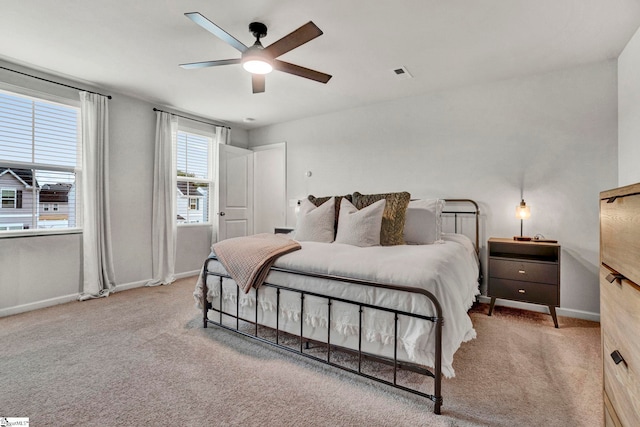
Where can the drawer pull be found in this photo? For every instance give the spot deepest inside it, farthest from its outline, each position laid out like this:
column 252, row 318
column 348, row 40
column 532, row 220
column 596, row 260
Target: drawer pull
column 617, row 358
column 522, row 272
column 522, row 291
column 611, row 277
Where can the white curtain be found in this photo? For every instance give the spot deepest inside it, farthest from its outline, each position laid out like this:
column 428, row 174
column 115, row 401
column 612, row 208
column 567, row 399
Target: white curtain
column 163, row 221
column 99, row 277
column 223, row 135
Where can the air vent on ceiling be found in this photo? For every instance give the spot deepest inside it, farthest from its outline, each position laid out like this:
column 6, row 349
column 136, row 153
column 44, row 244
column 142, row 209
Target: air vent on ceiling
column 402, row 73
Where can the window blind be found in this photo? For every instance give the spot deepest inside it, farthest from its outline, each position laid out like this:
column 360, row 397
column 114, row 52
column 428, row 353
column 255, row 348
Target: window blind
column 193, row 176
column 40, row 156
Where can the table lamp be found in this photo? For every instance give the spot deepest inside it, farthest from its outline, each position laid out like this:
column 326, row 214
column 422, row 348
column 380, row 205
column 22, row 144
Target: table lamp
column 522, row 212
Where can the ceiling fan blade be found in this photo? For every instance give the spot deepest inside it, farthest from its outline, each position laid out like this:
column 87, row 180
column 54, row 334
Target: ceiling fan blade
column 205, row 64
column 301, row 71
column 257, row 83
column 307, row 32
column 215, row 30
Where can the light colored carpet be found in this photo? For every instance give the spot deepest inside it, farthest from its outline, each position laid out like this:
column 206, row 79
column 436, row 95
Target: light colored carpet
column 141, row 357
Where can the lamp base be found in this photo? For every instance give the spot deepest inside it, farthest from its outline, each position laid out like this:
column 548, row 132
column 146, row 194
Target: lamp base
column 522, row 238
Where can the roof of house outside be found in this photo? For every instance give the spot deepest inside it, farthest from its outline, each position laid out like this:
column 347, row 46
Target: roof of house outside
column 188, row 188
column 55, row 193
column 26, row 175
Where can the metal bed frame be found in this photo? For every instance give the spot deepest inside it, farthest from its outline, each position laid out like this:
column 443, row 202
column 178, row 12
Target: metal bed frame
column 438, row 319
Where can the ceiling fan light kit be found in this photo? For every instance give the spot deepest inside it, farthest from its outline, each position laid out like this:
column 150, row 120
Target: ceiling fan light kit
column 257, row 59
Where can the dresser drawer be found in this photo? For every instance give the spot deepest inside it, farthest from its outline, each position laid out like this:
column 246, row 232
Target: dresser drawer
column 610, row 416
column 536, row 293
column 620, row 322
column 525, row 271
column 620, row 234
column 621, row 382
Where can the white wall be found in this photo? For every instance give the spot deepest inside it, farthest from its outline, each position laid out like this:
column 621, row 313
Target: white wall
column 269, row 187
column 629, row 113
column 43, row 270
column 551, row 137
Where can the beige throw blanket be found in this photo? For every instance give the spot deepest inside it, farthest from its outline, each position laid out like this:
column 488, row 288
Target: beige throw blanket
column 248, row 259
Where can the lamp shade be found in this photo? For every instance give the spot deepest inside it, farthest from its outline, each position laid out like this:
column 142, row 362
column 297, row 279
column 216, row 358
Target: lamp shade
column 523, row 211
column 256, row 61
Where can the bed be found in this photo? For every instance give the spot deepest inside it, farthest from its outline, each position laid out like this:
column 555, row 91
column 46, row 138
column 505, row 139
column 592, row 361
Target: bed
column 403, row 305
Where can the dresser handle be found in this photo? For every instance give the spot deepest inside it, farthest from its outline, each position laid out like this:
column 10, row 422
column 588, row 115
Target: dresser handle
column 522, row 272
column 522, row 291
column 617, row 358
column 611, row 277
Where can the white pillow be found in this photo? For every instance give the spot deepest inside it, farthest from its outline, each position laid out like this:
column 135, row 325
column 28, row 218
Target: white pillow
column 316, row 224
column 360, row 227
column 423, row 221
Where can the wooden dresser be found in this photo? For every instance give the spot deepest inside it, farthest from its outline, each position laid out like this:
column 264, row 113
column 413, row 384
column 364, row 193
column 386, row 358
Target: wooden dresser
column 620, row 304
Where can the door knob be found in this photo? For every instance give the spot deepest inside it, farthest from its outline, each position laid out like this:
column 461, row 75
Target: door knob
column 221, row 214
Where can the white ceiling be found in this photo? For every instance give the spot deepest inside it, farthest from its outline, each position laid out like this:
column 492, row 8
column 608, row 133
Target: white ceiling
column 135, row 47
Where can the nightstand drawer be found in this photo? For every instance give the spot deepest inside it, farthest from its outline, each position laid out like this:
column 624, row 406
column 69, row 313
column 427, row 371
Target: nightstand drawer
column 536, row 293
column 525, row 271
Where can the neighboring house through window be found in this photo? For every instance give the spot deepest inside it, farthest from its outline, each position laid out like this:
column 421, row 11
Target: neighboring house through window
column 40, row 156
column 194, row 149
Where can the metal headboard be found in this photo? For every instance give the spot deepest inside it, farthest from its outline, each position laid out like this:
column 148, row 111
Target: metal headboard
column 475, row 211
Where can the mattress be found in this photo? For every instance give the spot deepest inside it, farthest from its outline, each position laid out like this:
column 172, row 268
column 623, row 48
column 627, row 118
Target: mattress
column 448, row 269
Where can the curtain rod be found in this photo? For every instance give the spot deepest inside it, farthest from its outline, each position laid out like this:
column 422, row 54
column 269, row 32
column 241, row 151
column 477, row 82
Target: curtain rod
column 51, row 81
column 189, row 118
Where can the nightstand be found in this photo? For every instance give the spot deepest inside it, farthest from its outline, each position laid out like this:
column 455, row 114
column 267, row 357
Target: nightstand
column 524, row 271
column 283, row 230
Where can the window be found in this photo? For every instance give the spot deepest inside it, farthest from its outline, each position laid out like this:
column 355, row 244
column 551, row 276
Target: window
column 8, row 198
column 7, row 227
column 40, row 156
column 194, row 203
column 194, row 169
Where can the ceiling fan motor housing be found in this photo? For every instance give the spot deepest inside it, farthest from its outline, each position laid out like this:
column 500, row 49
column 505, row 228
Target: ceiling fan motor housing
column 258, row 29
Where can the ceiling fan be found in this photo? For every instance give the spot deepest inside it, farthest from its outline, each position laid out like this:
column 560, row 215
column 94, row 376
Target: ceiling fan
column 259, row 60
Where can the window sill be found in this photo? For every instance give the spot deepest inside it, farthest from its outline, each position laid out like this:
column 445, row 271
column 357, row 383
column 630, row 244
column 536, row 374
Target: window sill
column 195, row 224
column 42, row 232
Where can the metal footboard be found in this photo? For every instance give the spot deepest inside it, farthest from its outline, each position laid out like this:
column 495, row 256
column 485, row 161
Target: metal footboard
column 437, row 320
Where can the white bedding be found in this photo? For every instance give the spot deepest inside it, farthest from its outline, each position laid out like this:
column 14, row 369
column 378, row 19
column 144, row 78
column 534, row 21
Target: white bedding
column 448, row 269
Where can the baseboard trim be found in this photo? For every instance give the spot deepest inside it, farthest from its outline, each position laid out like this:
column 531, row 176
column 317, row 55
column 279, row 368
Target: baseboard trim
column 131, row 285
column 9, row 311
column 567, row 312
column 188, row 274
column 141, row 283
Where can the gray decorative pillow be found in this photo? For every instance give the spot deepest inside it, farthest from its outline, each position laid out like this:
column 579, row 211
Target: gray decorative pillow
column 360, row 227
column 394, row 214
column 315, row 224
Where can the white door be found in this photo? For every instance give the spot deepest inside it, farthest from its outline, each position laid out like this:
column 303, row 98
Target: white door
column 235, row 192
column 270, row 192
